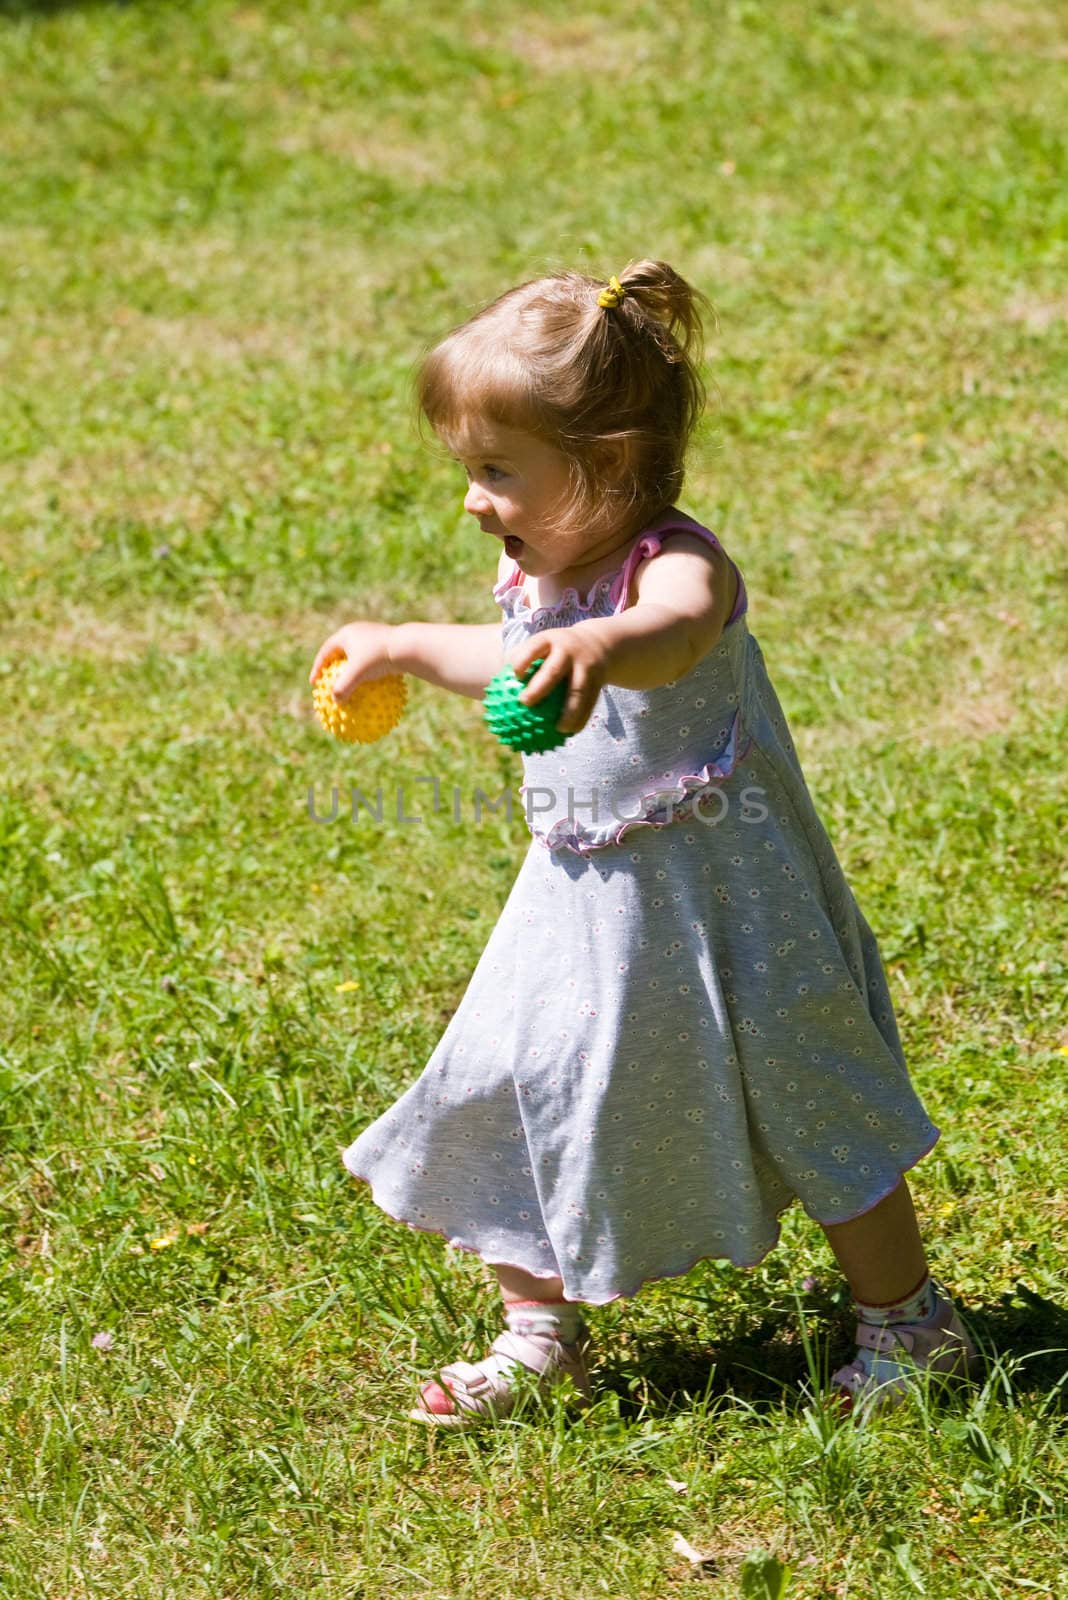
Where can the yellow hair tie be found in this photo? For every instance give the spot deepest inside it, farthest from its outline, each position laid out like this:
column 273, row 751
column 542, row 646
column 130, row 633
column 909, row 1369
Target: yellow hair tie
column 609, row 298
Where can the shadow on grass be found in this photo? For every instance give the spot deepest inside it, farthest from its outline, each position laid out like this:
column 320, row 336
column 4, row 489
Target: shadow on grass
column 1033, row 1330
column 656, row 1373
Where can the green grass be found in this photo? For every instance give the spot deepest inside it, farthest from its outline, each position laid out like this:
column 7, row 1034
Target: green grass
column 226, row 234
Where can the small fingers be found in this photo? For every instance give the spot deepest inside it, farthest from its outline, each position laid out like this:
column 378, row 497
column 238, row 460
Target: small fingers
column 558, row 668
column 548, row 673
column 577, row 707
column 538, row 687
column 345, row 681
column 327, row 652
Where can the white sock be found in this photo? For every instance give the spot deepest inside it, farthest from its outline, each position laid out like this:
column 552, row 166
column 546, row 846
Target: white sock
column 916, row 1306
column 550, row 1319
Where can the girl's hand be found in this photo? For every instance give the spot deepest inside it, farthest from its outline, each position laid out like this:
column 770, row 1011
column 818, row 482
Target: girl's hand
column 577, row 653
column 366, row 649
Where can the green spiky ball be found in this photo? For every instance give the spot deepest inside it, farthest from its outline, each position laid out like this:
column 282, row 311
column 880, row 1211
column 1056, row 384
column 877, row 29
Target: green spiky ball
column 531, row 729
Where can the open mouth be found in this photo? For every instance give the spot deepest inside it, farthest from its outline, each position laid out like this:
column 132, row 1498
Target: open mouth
column 513, row 545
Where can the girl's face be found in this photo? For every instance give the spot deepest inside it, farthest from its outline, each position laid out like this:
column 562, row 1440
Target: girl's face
column 516, row 484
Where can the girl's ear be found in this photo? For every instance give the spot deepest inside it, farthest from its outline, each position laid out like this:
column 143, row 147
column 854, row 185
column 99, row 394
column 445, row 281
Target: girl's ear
column 614, row 460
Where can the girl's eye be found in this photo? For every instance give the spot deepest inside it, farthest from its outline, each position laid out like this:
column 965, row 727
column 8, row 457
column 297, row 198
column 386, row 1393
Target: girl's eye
column 493, row 473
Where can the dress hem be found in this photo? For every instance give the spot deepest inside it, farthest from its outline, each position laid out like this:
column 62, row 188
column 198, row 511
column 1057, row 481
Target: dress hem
column 629, row 1293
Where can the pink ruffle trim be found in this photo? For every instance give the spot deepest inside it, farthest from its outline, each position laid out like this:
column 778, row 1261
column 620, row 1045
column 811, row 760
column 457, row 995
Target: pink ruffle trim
column 616, row 583
column 568, row 601
column 564, row 834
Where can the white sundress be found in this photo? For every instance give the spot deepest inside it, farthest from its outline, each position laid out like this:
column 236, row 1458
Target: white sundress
column 680, row 1022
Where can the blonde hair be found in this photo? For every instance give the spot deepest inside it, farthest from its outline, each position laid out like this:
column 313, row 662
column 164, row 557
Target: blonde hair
column 615, row 388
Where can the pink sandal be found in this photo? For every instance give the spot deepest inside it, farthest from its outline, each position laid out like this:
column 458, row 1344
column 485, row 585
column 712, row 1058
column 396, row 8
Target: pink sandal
column 518, row 1369
column 941, row 1346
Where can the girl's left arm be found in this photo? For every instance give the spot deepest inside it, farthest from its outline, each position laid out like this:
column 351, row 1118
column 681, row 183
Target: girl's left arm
column 682, row 602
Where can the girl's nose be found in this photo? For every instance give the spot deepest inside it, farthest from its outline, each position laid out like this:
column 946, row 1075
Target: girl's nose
column 477, row 501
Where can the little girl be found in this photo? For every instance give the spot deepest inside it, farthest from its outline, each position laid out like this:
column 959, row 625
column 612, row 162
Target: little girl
column 681, row 1022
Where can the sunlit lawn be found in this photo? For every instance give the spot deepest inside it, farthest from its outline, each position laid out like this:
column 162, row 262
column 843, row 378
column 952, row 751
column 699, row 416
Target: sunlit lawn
column 226, row 234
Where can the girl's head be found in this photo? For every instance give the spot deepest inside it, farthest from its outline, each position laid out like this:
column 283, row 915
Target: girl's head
column 602, row 386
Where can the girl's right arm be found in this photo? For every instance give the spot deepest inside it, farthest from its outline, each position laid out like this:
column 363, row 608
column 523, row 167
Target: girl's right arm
column 453, row 655
column 459, row 656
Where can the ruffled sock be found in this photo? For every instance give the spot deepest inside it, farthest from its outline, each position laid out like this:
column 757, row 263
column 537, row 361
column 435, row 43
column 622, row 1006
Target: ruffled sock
column 551, row 1321
column 918, row 1308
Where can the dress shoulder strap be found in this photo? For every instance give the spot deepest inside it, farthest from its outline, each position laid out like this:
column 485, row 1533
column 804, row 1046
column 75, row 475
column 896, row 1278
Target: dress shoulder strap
column 650, row 544
column 513, row 578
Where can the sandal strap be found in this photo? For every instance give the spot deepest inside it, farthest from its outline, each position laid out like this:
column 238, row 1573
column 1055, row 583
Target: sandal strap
column 887, row 1340
column 852, row 1379
column 530, row 1352
column 476, row 1385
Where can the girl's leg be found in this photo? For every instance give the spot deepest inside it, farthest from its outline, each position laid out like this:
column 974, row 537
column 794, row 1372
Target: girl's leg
column 904, row 1323
column 519, row 1285
column 881, row 1252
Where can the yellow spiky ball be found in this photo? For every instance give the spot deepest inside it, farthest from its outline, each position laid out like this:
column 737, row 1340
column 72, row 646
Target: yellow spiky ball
column 370, row 711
